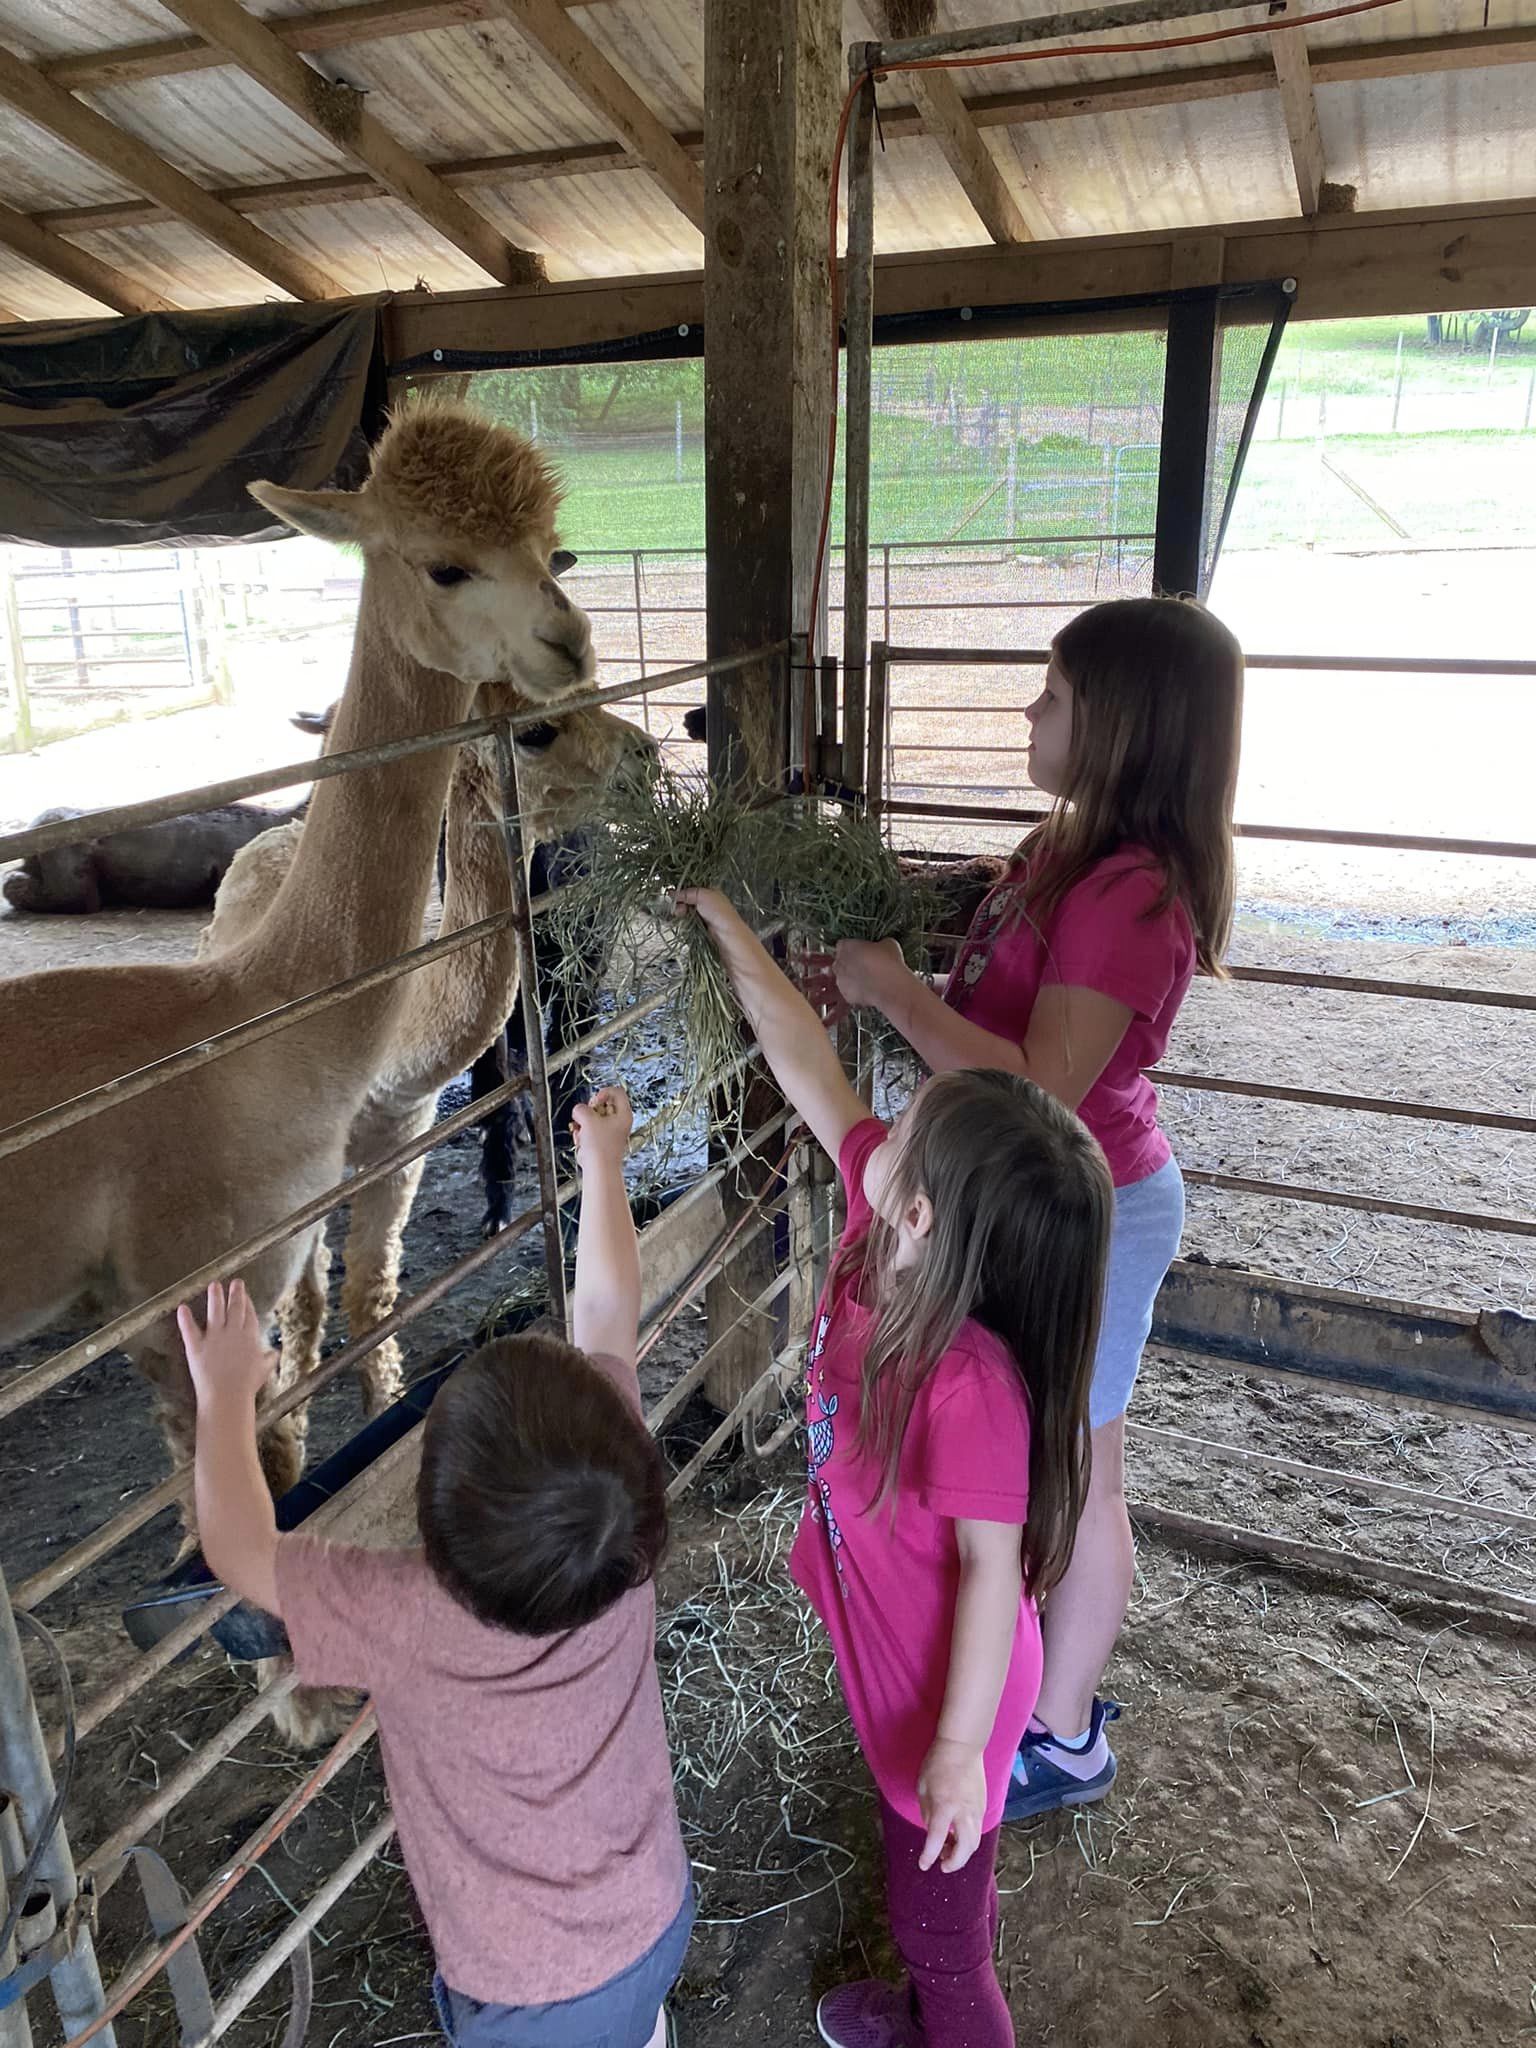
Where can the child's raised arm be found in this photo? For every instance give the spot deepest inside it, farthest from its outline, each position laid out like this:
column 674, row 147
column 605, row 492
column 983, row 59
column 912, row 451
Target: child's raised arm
column 605, row 1302
column 794, row 1040
column 230, row 1364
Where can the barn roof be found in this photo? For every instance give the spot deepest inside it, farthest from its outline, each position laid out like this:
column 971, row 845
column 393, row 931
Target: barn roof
column 141, row 164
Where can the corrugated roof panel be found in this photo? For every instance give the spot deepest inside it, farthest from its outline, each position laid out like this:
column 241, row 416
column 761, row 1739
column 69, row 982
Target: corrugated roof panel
column 48, row 28
column 219, row 127
column 36, row 295
column 181, row 265
column 1454, row 139
column 1163, row 167
column 37, row 172
column 468, row 91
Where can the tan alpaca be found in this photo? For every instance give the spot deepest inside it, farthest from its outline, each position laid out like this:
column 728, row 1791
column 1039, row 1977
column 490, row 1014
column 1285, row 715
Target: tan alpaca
column 456, row 525
column 453, row 1008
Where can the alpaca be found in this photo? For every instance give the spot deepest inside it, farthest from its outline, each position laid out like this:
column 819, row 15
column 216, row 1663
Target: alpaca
column 454, row 1005
column 174, row 864
column 456, row 527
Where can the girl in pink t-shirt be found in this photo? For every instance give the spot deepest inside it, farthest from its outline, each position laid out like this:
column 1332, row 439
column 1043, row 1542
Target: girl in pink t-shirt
column 947, row 1398
column 1073, row 972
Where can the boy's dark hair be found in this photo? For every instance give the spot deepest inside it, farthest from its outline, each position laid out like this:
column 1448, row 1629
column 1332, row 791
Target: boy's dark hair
column 542, row 1497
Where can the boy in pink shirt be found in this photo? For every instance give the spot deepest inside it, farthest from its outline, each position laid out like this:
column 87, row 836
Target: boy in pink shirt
column 511, row 1659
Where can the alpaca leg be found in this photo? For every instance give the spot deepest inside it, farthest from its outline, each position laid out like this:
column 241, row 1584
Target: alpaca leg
column 497, row 1143
column 371, row 1286
column 301, row 1318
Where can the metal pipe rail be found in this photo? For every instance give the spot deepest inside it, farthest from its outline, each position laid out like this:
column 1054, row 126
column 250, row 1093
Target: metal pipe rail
column 1331, row 664
column 155, row 810
column 1035, row 28
column 1372, row 1205
column 1327, row 1098
column 177, row 1485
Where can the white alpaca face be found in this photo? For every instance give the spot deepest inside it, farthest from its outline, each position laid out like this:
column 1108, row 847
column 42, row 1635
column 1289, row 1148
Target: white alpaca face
column 489, row 615
column 478, row 612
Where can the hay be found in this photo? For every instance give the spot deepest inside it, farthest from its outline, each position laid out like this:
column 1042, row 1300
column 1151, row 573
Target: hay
column 825, row 874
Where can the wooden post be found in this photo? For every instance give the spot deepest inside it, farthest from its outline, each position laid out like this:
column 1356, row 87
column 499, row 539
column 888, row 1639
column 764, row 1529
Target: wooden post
column 21, row 728
column 772, row 77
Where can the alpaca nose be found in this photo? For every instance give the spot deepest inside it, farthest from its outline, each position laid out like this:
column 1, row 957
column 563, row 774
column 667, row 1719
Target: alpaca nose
column 556, row 595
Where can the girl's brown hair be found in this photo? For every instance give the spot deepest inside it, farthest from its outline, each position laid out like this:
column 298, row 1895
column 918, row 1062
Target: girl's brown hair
column 1157, row 689
column 1021, row 1203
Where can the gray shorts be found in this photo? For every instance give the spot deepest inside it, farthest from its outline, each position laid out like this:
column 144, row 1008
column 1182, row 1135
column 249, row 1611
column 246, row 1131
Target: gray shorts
column 618, row 2014
column 1143, row 1243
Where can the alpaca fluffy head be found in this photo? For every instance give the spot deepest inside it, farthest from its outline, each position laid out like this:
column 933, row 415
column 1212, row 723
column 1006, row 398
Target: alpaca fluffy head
column 450, row 469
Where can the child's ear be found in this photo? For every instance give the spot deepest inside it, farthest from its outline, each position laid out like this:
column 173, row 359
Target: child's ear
column 919, row 1216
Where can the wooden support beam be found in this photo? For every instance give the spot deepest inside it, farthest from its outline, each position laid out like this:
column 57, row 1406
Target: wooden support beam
column 611, row 97
column 944, row 117
column 23, row 87
column 772, row 83
column 1346, row 265
column 335, row 28
column 374, row 20
column 77, row 267
column 1298, row 103
column 338, row 112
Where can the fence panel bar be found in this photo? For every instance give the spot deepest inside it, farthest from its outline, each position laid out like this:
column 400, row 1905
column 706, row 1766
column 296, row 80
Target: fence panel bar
column 531, row 998
column 859, row 309
column 1372, row 1205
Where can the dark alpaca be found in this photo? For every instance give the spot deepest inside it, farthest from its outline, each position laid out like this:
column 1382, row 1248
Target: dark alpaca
column 570, row 1008
column 176, row 864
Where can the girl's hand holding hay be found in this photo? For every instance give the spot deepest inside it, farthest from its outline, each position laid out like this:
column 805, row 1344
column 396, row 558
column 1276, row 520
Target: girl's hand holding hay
column 601, row 1129
column 857, row 974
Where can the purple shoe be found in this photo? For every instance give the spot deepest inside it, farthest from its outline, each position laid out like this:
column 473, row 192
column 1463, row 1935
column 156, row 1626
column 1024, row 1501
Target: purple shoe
column 869, row 2014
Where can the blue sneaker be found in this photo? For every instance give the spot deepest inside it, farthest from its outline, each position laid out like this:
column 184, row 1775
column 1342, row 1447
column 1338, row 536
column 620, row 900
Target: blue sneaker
column 1040, row 1785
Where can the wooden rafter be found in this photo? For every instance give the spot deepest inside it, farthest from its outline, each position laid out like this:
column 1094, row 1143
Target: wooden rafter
column 1052, row 103
column 77, row 267
column 612, row 98
column 1345, row 265
column 376, row 20
column 23, row 87
column 946, row 119
column 1298, row 103
column 338, row 113
column 336, row 28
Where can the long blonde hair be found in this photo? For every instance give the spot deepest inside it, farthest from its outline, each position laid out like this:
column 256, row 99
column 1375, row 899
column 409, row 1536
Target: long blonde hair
column 1021, row 1203
column 1157, row 689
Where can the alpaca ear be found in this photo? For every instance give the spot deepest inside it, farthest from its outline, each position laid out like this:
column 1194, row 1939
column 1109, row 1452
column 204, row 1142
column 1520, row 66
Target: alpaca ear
column 329, row 515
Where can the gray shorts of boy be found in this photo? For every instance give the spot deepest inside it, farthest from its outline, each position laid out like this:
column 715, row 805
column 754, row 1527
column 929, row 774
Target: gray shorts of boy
column 1143, row 1243
column 618, row 2014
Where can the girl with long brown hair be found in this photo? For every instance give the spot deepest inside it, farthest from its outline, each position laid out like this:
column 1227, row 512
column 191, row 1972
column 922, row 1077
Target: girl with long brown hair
column 947, row 1399
column 1072, row 973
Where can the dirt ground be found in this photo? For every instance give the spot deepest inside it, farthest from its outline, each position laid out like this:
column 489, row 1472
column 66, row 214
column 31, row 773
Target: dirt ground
column 1322, row 1832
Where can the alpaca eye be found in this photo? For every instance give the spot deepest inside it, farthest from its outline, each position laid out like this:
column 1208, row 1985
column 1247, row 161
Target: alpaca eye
column 446, row 574
column 538, row 739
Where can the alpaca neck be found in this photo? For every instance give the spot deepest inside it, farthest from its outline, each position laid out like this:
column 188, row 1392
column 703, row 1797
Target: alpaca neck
column 454, row 1008
column 357, row 891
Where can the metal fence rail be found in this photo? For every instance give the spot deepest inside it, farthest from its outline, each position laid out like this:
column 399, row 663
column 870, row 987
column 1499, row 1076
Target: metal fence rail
column 108, row 1863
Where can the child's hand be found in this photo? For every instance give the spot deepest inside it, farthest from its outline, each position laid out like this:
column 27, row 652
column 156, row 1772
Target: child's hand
column 952, row 1796
column 601, row 1129
column 817, row 976
column 230, row 1356
column 864, row 970
column 715, row 911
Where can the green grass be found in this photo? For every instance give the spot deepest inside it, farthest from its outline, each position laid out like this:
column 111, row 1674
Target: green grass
column 612, row 431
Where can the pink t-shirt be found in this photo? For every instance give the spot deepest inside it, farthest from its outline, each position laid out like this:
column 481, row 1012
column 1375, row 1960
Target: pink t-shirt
column 1103, row 935
column 530, row 1775
column 884, row 1580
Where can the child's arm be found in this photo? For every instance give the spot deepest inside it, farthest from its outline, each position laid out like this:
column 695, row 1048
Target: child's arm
column 605, row 1302
column 794, row 1040
column 1071, row 1036
column 952, row 1785
column 230, row 1364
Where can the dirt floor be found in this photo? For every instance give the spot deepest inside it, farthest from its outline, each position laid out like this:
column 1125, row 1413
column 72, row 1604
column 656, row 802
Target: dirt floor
column 1323, row 1833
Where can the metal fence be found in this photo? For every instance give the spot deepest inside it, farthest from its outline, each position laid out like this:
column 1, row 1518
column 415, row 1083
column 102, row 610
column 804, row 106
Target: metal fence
column 37, row 1859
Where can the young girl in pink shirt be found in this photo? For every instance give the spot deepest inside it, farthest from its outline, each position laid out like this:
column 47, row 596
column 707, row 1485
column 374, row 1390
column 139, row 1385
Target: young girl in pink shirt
column 947, row 1404
column 1072, row 973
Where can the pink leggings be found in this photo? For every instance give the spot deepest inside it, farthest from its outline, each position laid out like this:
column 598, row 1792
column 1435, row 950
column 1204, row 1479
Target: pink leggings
column 945, row 1927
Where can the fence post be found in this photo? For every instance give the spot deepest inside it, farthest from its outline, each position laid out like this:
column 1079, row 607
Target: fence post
column 1530, row 402
column 1397, row 394
column 677, row 460
column 1013, row 492
column 21, row 729
column 26, row 1776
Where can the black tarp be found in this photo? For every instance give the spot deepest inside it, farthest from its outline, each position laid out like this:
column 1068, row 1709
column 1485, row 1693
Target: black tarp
column 118, row 433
